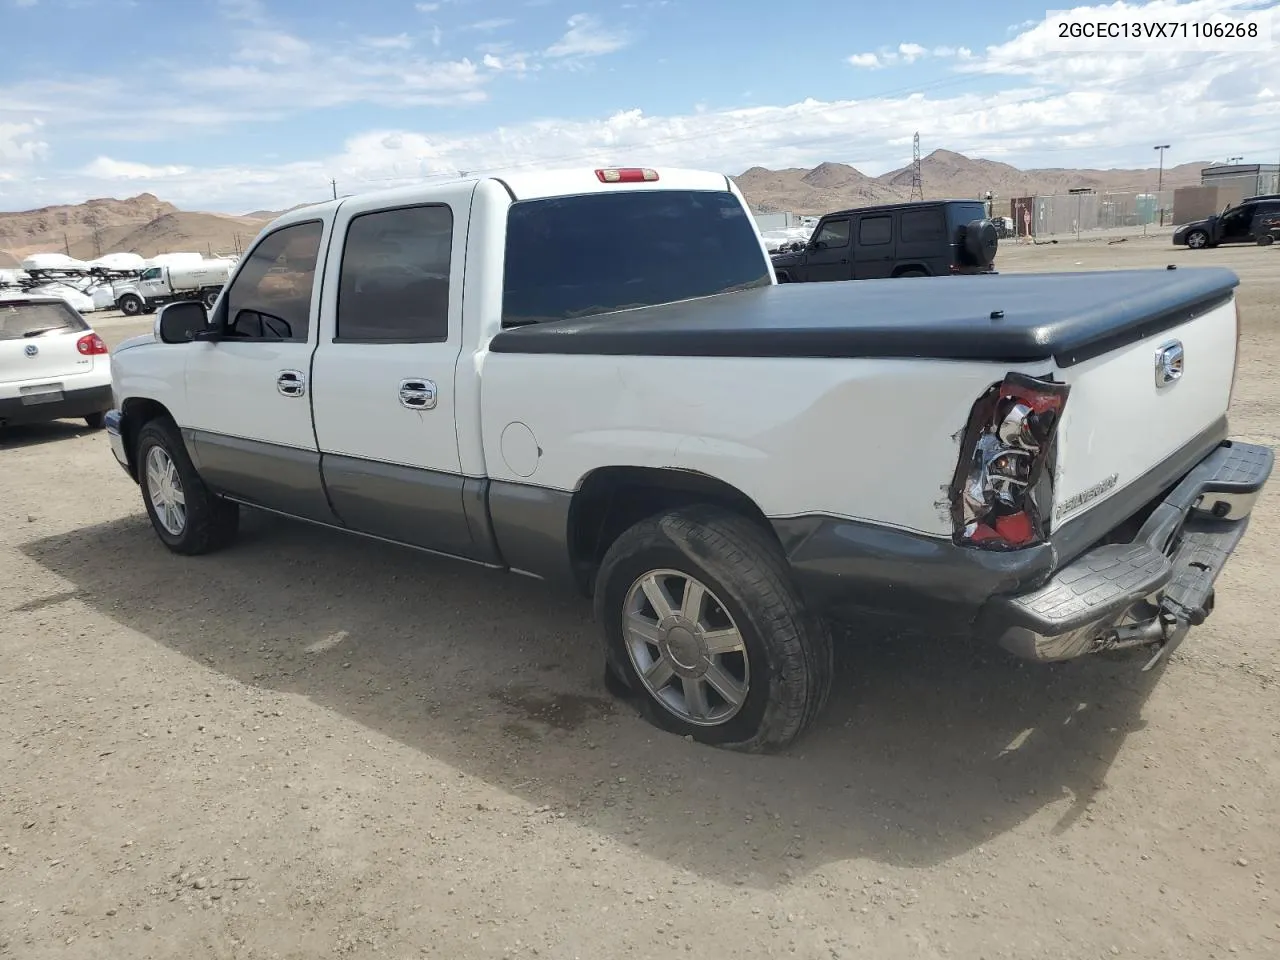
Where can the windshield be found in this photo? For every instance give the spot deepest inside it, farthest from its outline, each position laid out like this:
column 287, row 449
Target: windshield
column 584, row 255
column 19, row 320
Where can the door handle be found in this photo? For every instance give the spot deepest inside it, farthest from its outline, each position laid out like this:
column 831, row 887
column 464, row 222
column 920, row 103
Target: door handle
column 416, row 394
column 291, row 383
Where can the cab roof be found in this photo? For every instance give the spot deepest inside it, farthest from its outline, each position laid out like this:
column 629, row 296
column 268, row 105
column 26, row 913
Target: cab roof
column 529, row 185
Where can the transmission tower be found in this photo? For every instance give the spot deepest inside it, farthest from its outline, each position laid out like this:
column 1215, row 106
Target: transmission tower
column 917, row 180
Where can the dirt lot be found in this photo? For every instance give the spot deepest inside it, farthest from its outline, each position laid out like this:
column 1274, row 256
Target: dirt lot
column 310, row 745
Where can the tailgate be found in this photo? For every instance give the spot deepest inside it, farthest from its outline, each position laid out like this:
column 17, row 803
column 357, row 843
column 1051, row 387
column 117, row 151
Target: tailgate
column 1138, row 405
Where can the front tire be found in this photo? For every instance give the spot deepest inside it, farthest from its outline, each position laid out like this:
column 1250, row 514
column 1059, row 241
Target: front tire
column 702, row 623
column 186, row 516
column 130, row 305
column 1197, row 239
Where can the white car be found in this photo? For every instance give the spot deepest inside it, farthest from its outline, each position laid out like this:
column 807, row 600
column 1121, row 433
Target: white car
column 52, row 365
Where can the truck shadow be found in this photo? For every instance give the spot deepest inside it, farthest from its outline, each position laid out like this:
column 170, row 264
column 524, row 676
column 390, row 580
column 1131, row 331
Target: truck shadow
column 926, row 750
column 35, row 434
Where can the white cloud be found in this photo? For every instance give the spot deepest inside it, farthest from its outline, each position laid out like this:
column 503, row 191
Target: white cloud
column 426, row 7
column 906, row 54
column 1020, row 101
column 104, row 168
column 25, row 3
column 18, row 145
column 401, row 41
column 586, row 37
column 493, row 23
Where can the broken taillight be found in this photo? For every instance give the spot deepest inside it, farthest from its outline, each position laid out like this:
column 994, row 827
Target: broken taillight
column 1001, row 490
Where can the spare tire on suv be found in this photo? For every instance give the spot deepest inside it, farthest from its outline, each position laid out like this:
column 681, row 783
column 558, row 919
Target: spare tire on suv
column 979, row 240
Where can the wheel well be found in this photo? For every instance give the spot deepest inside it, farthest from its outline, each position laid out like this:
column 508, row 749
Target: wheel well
column 909, row 268
column 612, row 499
column 134, row 414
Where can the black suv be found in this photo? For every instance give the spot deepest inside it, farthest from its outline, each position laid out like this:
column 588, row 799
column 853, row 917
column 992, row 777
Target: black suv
column 1253, row 220
column 924, row 238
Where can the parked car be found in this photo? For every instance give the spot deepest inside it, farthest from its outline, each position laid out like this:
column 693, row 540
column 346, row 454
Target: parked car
column 538, row 374
column 1252, row 221
column 926, row 238
column 52, row 365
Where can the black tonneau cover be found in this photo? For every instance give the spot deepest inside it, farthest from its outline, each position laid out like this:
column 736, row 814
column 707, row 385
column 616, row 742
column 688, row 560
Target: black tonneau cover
column 1006, row 318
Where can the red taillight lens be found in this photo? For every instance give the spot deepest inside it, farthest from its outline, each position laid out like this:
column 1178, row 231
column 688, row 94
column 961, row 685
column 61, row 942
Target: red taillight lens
column 626, row 175
column 91, row 345
column 1001, row 489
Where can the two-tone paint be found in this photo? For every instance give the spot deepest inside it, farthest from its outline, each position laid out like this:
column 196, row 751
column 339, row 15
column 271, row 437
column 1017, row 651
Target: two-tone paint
column 833, row 411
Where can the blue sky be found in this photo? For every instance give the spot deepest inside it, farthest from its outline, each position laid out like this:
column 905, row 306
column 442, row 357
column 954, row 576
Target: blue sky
column 239, row 104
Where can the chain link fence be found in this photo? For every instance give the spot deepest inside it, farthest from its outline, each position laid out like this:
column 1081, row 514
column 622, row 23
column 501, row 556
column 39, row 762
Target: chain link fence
column 1089, row 215
column 1097, row 215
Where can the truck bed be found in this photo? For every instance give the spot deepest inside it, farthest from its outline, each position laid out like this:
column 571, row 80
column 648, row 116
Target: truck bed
column 1008, row 318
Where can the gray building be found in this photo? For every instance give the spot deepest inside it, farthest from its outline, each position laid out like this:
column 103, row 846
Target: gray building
column 1246, row 179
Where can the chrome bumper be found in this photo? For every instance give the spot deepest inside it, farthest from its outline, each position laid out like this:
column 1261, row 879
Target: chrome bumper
column 1147, row 592
column 116, row 439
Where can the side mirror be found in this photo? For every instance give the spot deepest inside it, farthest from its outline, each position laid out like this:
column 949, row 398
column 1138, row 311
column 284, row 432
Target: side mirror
column 181, row 322
column 814, row 245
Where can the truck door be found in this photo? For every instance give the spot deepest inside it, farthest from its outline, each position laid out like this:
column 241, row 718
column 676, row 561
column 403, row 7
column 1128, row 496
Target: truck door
column 384, row 371
column 153, row 283
column 248, row 393
column 874, row 254
column 828, row 256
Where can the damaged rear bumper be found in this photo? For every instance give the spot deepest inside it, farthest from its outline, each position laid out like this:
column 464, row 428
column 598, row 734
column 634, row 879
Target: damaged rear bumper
column 1151, row 590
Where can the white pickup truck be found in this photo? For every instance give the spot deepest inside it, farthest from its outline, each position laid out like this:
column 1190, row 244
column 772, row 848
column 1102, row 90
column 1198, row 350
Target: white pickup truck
column 592, row 378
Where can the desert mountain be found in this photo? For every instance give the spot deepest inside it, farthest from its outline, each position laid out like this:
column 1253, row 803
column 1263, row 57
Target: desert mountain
column 147, row 225
column 832, row 186
column 143, row 224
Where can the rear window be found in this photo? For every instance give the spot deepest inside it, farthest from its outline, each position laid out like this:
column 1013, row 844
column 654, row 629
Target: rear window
column 578, row 256
column 958, row 214
column 24, row 320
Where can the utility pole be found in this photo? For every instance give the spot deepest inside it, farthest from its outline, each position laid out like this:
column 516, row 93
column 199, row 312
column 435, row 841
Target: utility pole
column 334, row 184
column 1160, row 181
column 917, row 179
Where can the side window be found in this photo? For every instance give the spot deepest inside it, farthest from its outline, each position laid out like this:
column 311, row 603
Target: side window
column 151, row 273
column 394, row 286
column 833, row 233
column 270, row 298
column 874, row 231
column 922, row 226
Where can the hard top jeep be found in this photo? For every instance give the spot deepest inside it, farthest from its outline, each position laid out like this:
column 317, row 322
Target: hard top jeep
column 924, row 238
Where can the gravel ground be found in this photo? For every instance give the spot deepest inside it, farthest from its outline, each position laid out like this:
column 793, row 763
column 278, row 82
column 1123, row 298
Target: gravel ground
column 310, row 745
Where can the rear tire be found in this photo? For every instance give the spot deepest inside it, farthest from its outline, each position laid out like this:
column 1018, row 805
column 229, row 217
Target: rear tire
column 130, row 305
column 95, row 421
column 209, row 298
column 186, row 516
column 911, row 273
column 745, row 666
